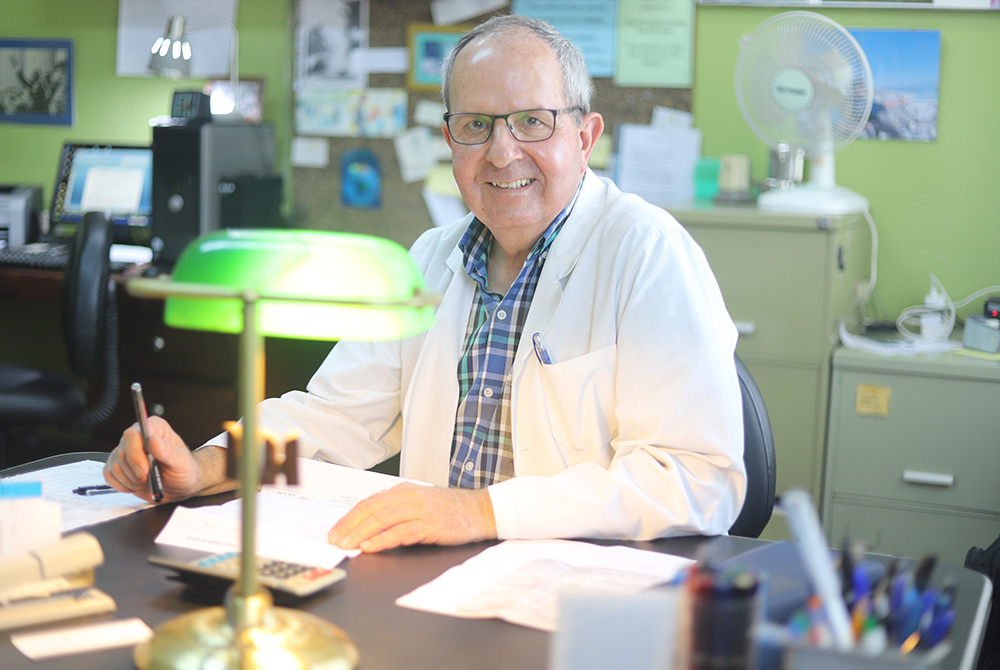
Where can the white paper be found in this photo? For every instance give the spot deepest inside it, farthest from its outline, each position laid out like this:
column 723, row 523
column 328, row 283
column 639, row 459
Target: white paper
column 429, row 113
column 445, row 12
column 666, row 118
column 331, row 37
column 52, row 643
column 414, row 153
column 79, row 511
column 311, row 152
column 655, row 164
column 444, row 209
column 521, row 581
column 391, row 60
column 288, row 529
column 292, row 521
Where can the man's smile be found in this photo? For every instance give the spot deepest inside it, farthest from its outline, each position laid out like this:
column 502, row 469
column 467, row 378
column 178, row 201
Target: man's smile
column 518, row 183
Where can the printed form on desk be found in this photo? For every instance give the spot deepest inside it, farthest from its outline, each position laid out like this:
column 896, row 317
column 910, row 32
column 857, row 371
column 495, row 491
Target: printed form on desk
column 79, row 511
column 522, row 581
column 292, row 521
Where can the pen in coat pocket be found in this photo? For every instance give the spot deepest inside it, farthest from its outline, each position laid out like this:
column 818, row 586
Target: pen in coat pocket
column 540, row 350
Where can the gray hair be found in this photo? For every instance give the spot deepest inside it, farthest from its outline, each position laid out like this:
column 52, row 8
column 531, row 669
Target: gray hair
column 578, row 87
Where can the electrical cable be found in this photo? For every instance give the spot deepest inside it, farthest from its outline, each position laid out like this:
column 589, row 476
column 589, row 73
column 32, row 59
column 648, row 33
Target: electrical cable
column 908, row 315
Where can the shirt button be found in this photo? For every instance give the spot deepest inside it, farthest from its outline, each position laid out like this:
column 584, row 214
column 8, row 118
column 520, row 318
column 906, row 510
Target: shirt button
column 469, row 465
column 502, row 314
column 488, row 392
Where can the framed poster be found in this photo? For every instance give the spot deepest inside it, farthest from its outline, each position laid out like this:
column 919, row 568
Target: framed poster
column 428, row 45
column 36, row 81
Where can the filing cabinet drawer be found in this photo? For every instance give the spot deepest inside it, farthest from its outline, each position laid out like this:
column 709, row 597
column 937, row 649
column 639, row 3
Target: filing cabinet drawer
column 913, row 533
column 791, row 395
column 773, row 286
column 931, row 446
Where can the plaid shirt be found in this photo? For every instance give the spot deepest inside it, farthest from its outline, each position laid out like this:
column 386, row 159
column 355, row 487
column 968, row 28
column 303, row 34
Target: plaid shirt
column 481, row 451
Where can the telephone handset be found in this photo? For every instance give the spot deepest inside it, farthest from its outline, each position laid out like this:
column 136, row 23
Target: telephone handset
column 52, row 583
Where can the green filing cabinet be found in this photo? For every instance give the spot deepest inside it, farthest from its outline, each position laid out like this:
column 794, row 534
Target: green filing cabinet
column 788, row 280
column 912, row 458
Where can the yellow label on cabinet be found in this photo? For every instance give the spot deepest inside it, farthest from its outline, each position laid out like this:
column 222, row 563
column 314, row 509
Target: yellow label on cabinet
column 872, row 400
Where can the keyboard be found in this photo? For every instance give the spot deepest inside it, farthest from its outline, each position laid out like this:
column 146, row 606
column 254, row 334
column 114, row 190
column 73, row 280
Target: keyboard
column 44, row 256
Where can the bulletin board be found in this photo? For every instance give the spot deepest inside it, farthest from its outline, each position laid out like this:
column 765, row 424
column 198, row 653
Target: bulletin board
column 403, row 215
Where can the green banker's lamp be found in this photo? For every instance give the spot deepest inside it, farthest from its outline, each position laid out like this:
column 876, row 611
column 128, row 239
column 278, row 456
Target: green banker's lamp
column 284, row 283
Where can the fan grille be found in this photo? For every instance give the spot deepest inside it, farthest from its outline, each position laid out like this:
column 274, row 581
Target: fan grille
column 802, row 78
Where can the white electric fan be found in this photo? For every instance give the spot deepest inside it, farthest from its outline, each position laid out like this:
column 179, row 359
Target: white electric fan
column 803, row 79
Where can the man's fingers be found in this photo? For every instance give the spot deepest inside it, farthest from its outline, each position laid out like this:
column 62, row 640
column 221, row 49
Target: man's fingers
column 402, row 534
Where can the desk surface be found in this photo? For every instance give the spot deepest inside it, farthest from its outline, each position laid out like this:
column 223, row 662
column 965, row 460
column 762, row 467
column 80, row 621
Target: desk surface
column 363, row 605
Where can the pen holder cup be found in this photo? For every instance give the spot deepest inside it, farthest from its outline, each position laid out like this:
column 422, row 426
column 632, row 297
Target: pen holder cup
column 801, row 657
column 773, row 651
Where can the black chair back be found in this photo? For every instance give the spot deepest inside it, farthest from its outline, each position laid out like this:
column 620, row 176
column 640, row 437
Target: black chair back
column 87, row 296
column 758, row 456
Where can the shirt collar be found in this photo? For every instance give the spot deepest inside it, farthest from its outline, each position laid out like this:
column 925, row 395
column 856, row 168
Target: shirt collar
column 475, row 242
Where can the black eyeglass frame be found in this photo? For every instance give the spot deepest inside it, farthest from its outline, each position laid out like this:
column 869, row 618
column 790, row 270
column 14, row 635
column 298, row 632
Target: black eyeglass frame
column 556, row 113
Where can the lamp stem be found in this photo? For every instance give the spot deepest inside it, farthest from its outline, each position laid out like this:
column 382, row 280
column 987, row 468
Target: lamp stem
column 234, row 70
column 251, row 392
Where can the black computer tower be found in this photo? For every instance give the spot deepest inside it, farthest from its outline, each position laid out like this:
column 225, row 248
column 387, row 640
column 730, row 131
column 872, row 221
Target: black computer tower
column 190, row 158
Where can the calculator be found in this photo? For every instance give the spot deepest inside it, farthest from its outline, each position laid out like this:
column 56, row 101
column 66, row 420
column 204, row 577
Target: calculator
column 294, row 578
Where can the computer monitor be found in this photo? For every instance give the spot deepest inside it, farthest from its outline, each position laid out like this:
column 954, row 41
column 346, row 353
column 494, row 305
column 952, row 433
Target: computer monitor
column 116, row 179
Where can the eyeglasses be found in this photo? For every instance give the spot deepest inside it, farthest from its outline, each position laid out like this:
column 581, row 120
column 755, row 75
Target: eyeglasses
column 529, row 125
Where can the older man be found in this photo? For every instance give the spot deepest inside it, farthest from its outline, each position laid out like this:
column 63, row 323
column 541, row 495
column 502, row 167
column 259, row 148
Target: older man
column 578, row 380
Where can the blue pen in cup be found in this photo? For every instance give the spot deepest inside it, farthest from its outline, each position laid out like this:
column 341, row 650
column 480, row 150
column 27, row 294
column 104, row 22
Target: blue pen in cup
column 540, row 350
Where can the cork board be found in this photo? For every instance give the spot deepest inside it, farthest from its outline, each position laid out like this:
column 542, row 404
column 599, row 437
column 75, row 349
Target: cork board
column 403, row 215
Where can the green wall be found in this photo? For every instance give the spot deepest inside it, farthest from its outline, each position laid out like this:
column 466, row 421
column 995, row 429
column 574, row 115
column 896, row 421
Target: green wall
column 118, row 109
column 935, row 204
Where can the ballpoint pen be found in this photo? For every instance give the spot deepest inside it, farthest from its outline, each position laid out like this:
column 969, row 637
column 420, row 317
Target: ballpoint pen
column 155, row 482
column 540, row 350
column 95, row 490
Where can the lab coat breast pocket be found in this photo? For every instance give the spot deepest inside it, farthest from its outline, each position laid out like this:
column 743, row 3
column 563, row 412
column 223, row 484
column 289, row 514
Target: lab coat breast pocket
column 579, row 402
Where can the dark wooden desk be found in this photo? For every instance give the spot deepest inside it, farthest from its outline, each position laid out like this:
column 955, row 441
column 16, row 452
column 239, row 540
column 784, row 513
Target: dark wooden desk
column 363, row 605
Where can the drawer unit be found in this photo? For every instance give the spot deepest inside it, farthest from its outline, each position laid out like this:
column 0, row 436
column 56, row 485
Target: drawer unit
column 788, row 280
column 912, row 531
column 910, row 455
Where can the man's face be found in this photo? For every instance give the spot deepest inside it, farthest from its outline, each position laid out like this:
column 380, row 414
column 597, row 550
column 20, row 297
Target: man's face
column 508, row 184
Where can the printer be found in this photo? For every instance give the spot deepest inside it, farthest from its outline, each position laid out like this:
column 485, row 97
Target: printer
column 20, row 214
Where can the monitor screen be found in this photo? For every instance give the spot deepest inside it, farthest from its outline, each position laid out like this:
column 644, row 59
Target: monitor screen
column 115, row 179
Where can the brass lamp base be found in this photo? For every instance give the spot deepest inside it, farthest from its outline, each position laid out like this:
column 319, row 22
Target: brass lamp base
column 281, row 639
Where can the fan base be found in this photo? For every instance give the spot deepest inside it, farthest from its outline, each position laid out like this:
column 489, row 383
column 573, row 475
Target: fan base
column 811, row 199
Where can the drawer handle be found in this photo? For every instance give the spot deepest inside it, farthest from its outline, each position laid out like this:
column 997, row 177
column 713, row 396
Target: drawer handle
column 930, row 478
column 745, row 327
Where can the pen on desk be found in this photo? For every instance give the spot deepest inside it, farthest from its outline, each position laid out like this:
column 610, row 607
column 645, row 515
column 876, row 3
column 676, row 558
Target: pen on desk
column 155, row 482
column 93, row 490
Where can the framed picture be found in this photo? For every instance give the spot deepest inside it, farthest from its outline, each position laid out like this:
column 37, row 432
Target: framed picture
column 251, row 100
column 428, row 46
column 36, row 81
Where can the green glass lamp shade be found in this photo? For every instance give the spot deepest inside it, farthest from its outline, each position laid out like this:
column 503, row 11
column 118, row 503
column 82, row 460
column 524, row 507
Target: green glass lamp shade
column 311, row 284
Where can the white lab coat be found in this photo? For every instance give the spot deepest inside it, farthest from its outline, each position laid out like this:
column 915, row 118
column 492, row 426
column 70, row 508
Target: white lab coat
column 633, row 431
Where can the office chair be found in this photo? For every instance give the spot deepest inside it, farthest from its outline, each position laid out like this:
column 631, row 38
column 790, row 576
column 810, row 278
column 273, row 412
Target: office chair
column 758, row 456
column 31, row 397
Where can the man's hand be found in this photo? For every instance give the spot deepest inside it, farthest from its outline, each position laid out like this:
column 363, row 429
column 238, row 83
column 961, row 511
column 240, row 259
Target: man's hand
column 184, row 473
column 413, row 514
